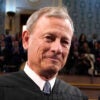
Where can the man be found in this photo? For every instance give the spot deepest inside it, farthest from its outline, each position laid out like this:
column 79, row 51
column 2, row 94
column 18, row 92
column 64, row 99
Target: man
column 47, row 39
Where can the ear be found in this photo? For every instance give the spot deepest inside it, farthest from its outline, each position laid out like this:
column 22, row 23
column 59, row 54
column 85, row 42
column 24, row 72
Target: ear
column 25, row 39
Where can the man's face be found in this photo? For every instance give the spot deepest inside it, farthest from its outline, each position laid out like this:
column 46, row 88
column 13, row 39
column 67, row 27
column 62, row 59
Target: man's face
column 48, row 45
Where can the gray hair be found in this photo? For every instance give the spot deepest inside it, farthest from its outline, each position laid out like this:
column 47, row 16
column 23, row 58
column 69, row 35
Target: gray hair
column 58, row 12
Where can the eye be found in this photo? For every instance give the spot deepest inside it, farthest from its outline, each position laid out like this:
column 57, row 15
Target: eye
column 65, row 42
column 50, row 38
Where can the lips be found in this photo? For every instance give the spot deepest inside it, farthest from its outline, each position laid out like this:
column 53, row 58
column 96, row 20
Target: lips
column 54, row 58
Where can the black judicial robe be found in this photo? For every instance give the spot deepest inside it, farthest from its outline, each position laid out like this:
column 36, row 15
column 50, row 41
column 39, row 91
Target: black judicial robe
column 18, row 86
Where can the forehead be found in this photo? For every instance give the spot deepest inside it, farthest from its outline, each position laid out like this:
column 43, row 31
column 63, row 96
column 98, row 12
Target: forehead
column 53, row 25
column 59, row 27
column 45, row 21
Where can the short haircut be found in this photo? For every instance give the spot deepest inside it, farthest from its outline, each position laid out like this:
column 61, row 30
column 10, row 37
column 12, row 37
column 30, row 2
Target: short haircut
column 57, row 12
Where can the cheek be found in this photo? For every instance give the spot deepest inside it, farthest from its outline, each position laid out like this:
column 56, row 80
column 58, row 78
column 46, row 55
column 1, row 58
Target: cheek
column 41, row 50
column 33, row 49
column 65, row 55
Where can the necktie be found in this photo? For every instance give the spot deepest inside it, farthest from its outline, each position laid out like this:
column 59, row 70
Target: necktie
column 47, row 88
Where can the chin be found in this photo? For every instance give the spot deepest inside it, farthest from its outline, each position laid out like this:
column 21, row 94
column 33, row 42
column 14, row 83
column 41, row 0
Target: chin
column 50, row 70
column 53, row 69
column 49, row 73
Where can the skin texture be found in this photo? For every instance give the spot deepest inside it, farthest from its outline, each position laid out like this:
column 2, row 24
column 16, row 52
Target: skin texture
column 48, row 45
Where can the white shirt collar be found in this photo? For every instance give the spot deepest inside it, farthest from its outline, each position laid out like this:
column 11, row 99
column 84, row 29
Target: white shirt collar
column 40, row 82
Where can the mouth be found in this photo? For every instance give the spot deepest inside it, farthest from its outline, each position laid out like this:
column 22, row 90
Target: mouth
column 54, row 59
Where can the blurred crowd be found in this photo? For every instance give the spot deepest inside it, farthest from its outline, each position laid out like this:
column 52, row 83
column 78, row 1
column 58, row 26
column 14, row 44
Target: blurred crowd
column 12, row 54
column 84, row 56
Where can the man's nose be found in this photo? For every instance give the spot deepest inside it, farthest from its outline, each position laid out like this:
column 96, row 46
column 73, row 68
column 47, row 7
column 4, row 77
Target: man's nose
column 56, row 47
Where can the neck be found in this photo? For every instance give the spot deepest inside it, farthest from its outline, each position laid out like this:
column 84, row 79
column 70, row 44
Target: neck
column 47, row 77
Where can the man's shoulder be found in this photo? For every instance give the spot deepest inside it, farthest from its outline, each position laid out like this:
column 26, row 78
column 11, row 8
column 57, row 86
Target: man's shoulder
column 67, row 88
column 64, row 84
column 9, row 79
